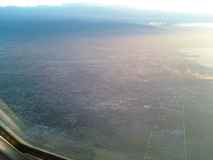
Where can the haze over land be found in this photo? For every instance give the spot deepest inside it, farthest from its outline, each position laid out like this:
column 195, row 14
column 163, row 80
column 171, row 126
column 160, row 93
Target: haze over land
column 100, row 86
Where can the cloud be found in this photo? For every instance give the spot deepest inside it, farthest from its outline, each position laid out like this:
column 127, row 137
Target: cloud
column 157, row 23
column 171, row 70
column 94, row 12
column 197, row 74
column 194, row 25
column 186, row 73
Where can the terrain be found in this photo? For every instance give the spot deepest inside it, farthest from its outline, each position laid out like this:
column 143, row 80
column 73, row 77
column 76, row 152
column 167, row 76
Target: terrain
column 119, row 92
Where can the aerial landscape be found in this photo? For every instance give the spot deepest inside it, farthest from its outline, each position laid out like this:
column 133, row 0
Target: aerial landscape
column 107, row 90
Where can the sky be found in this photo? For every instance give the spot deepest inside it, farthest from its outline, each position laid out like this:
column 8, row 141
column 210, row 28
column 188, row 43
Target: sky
column 152, row 12
column 199, row 6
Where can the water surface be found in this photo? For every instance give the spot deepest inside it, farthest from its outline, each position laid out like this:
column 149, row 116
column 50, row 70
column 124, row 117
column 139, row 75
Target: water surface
column 204, row 56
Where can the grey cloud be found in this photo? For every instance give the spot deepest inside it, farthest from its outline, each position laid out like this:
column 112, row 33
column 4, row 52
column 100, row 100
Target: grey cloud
column 83, row 11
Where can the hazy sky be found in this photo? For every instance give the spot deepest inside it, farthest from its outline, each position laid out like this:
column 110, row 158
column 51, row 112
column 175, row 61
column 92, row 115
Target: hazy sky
column 203, row 6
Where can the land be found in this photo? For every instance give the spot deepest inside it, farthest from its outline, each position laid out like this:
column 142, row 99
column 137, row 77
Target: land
column 108, row 96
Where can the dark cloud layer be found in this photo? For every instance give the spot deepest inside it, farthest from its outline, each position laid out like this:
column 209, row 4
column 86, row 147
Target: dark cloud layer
column 82, row 11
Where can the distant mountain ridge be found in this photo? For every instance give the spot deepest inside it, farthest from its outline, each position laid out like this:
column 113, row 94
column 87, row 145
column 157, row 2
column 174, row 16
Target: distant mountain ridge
column 97, row 12
column 53, row 27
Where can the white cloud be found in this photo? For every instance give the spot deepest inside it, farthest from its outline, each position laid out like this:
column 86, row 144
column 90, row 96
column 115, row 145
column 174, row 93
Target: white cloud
column 157, row 23
column 194, row 25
